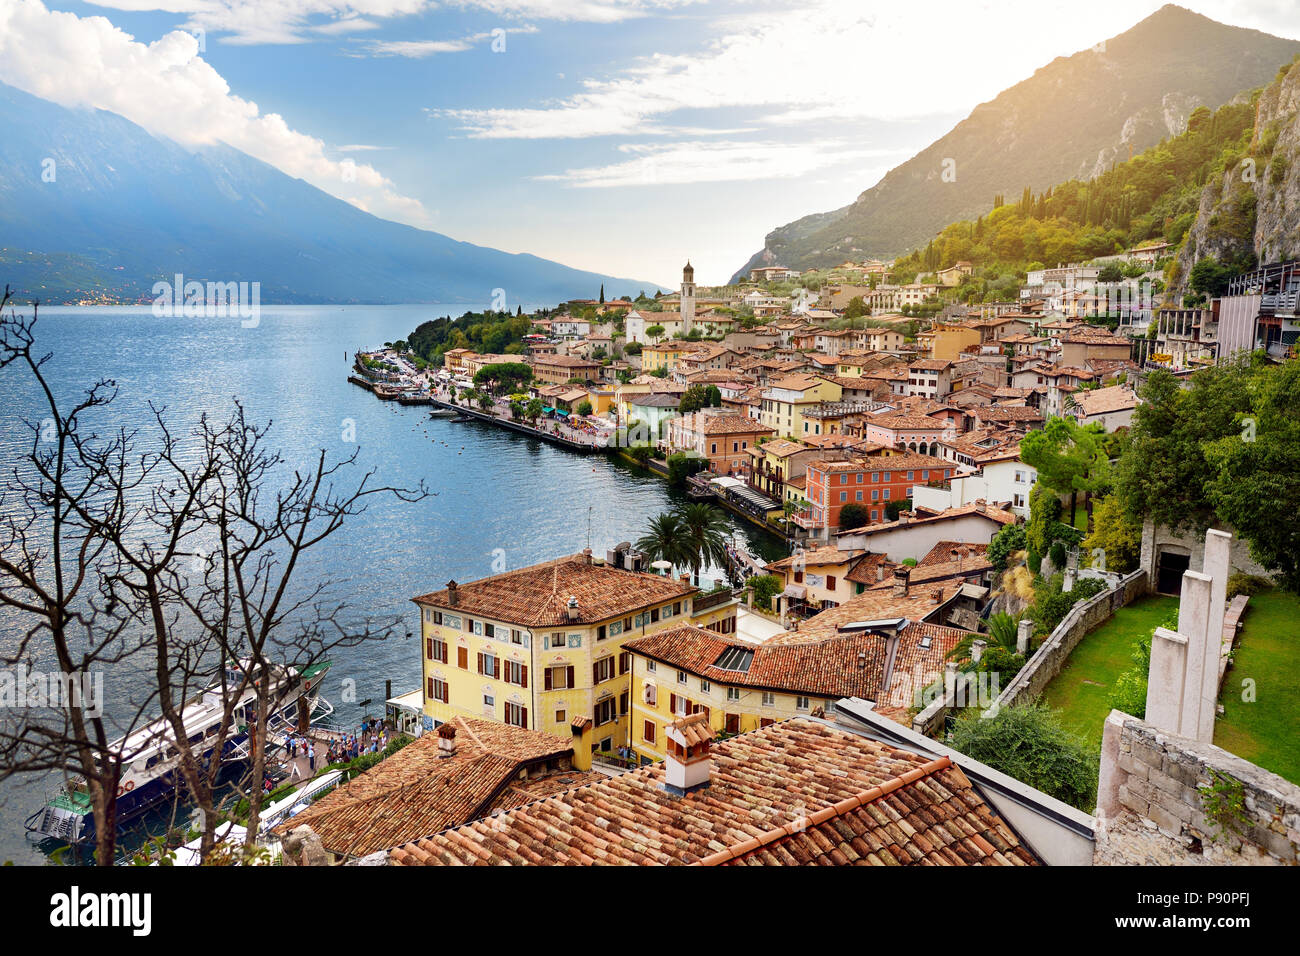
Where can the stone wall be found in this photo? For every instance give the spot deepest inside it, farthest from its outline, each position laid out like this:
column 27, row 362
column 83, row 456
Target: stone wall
column 1149, row 797
column 1051, row 655
column 1156, row 538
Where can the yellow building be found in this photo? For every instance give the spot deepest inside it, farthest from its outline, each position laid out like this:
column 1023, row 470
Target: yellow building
column 785, row 401
column 664, row 355
column 541, row 645
column 742, row 686
column 946, row 342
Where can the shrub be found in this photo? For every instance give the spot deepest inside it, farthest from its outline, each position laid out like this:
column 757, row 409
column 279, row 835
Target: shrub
column 1057, row 554
column 1051, row 604
column 1242, row 583
column 766, row 587
column 1029, row 743
column 1001, row 661
column 1005, row 543
column 854, row 516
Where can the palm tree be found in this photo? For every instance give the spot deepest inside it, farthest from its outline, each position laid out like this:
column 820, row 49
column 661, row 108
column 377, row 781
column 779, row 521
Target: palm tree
column 1002, row 633
column 665, row 540
column 706, row 534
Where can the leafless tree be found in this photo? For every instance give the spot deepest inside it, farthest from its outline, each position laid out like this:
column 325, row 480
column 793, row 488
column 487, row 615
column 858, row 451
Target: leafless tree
column 172, row 556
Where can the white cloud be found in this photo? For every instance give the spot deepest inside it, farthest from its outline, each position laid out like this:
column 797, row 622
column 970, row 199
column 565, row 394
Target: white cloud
column 713, row 161
column 418, row 49
column 296, row 21
column 170, row 90
column 832, row 60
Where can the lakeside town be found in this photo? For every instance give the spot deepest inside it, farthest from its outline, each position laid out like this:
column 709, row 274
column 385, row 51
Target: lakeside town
column 946, row 482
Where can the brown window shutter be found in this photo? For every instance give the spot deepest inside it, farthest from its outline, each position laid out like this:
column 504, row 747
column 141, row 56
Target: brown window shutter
column 430, row 693
column 672, row 704
column 428, row 648
column 569, row 674
column 523, row 715
column 496, row 667
column 546, row 678
column 595, row 673
column 462, row 658
column 523, row 675
column 623, row 662
column 479, row 659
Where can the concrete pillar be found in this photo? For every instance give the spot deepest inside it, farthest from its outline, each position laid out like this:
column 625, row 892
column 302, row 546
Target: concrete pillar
column 1110, row 777
column 950, row 681
column 977, row 649
column 1024, row 633
column 1165, row 680
column 1218, row 565
column 1194, row 626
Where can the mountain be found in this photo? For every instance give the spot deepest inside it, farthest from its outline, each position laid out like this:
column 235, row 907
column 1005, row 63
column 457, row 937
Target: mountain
column 126, row 209
column 1250, row 211
column 1071, row 120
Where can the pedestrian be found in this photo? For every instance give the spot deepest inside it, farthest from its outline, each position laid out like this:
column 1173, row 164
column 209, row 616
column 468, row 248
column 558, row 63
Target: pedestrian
column 311, row 756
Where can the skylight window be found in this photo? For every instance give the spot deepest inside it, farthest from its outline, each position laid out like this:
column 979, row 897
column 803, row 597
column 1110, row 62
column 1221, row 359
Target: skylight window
column 735, row 659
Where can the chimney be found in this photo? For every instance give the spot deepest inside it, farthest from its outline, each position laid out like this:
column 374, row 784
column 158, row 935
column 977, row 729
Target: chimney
column 936, row 596
column 684, row 578
column 687, row 762
column 453, row 593
column 582, row 730
column 586, row 555
column 447, row 740
column 880, row 571
column 573, row 608
column 901, row 575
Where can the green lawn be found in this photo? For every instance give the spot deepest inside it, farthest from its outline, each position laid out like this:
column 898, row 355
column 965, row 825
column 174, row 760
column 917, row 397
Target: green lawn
column 1081, row 691
column 1265, row 731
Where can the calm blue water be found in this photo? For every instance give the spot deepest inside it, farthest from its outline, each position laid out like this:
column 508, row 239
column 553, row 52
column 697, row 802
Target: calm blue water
column 495, row 490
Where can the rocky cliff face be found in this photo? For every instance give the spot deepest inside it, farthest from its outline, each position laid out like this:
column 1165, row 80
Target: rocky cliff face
column 1254, row 207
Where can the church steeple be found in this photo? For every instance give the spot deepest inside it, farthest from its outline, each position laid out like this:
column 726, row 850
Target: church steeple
column 688, row 298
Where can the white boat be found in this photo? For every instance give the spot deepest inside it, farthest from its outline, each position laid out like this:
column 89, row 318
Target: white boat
column 151, row 759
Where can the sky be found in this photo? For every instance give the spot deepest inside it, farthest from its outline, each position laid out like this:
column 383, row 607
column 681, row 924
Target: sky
column 622, row 136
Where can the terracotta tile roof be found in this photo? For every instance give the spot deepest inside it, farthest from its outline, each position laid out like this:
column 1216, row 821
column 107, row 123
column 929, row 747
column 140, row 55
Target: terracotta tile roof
column 850, row 665
column 865, row 570
column 991, row 512
column 926, row 817
column 797, row 791
column 941, row 553
column 708, row 424
column 1007, row 413
column 538, row 596
column 828, row 555
column 1100, row 401
column 910, row 422
column 417, row 791
column 780, row 447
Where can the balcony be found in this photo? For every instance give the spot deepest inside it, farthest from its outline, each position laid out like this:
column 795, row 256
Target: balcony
column 712, row 599
column 805, row 520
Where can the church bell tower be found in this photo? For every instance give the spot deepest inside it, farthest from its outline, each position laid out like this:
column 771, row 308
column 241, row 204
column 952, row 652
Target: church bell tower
column 688, row 299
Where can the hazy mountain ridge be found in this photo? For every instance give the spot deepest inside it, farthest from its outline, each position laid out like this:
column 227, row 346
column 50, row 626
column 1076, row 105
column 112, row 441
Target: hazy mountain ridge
column 1071, row 119
column 126, row 209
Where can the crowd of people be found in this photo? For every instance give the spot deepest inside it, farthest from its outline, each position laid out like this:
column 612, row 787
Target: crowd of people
column 371, row 738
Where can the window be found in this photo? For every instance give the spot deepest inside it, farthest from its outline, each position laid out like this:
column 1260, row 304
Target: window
column 735, row 446
column 925, row 475
column 704, row 686
column 559, row 678
column 886, row 476
column 477, row 627
column 622, row 704
column 859, row 496
column 438, row 690
column 517, row 673
column 732, row 725
column 516, row 636
column 801, row 703
column 605, row 712
column 648, row 732
column 516, row 715
column 602, row 670
column 769, row 699
column 489, row 665
column 733, row 693
column 651, row 694
column 561, row 717
column 830, row 582
column 887, row 494
column 489, row 630
column 624, row 662
column 844, row 496
column 681, row 677
column 654, row 615
column 713, row 448
column 601, row 633
column 557, row 640
column 875, row 494
column 677, row 607
column 489, row 701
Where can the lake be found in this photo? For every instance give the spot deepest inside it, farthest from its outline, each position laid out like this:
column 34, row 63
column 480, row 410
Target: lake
column 498, row 494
